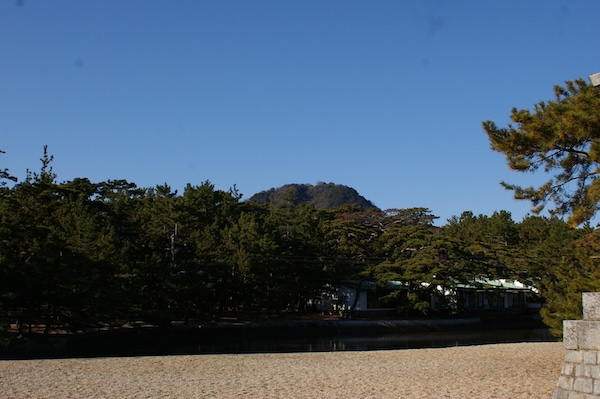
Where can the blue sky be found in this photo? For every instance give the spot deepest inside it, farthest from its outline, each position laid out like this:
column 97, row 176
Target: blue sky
column 384, row 96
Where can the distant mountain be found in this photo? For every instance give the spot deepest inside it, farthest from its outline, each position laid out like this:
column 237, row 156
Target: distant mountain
column 323, row 195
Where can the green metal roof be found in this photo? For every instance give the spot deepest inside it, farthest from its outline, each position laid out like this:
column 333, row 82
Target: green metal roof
column 493, row 284
column 368, row 285
column 477, row 284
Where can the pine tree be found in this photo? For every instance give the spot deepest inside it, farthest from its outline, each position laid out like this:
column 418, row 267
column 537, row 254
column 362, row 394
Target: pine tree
column 562, row 138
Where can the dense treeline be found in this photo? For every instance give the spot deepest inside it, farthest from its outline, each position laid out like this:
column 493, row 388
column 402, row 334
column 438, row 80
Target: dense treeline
column 80, row 253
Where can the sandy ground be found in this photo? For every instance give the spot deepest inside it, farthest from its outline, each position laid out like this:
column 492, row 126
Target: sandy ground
column 528, row 370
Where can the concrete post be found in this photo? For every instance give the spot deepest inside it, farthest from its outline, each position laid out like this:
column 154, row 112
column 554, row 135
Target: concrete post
column 580, row 372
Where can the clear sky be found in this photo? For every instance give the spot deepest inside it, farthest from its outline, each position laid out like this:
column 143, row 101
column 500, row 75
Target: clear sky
column 384, row 96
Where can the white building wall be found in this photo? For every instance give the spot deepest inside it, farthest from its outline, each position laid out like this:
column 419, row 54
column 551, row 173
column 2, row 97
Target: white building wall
column 350, row 295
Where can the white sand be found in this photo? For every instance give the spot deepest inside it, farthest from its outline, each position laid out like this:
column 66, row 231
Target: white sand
column 528, row 370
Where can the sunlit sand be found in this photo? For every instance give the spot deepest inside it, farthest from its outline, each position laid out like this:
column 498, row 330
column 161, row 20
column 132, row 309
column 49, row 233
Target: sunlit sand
column 528, row 370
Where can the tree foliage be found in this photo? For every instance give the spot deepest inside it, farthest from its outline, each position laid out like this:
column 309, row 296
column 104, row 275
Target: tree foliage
column 5, row 175
column 80, row 254
column 562, row 138
column 322, row 196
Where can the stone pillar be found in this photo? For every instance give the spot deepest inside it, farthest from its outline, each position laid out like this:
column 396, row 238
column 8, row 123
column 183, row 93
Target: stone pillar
column 580, row 373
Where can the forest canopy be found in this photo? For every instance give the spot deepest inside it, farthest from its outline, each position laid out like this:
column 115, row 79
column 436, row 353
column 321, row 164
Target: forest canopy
column 322, row 195
column 82, row 253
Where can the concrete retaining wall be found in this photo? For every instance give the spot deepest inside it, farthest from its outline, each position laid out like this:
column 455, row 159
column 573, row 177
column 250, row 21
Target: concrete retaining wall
column 580, row 373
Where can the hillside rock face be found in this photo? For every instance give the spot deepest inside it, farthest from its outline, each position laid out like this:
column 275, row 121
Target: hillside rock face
column 322, row 195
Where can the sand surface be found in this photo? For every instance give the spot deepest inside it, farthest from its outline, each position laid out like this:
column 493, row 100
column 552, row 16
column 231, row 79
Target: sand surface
column 528, row 370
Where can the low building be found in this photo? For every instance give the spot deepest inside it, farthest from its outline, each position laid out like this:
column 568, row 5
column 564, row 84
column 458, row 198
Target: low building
column 495, row 294
column 367, row 298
